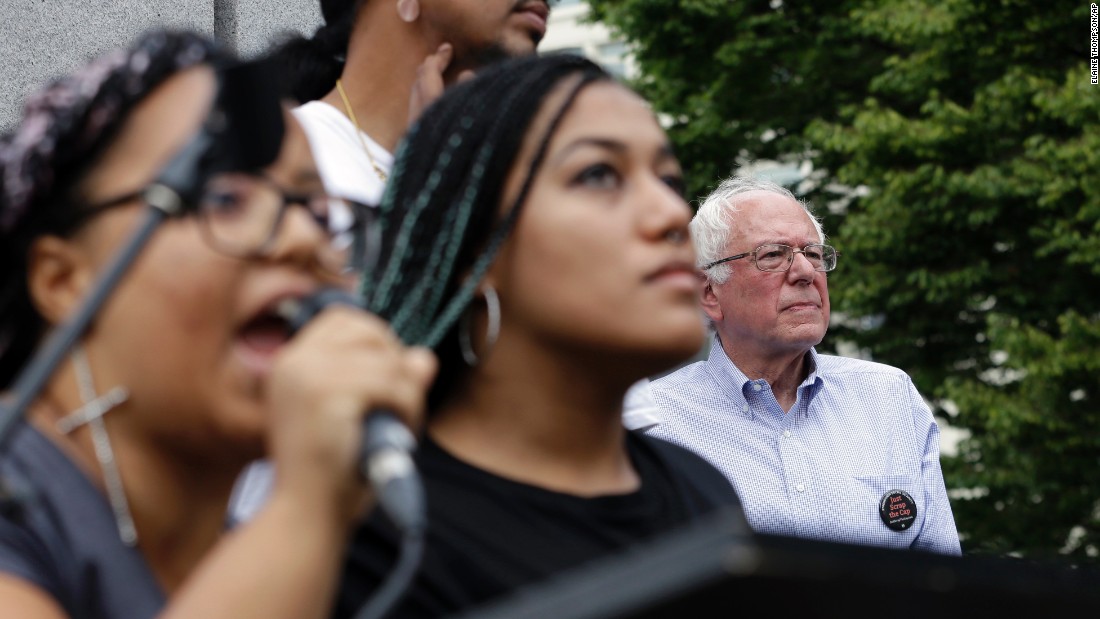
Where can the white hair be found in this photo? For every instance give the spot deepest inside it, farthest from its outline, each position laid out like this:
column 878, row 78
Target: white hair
column 710, row 228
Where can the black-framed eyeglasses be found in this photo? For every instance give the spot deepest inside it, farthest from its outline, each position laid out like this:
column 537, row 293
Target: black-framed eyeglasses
column 777, row 258
column 240, row 215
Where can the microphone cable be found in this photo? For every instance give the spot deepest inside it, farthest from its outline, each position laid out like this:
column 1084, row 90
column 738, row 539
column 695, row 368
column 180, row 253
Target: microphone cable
column 397, row 582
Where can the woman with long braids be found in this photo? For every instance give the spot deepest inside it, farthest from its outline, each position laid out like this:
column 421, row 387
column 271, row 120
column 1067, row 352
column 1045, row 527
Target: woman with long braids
column 117, row 481
column 536, row 237
column 365, row 73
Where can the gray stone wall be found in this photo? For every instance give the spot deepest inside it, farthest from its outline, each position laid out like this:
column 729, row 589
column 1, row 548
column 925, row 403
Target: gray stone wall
column 260, row 22
column 43, row 39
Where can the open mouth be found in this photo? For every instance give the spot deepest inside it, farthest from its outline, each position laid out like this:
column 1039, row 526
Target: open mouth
column 260, row 339
column 262, row 332
column 266, row 332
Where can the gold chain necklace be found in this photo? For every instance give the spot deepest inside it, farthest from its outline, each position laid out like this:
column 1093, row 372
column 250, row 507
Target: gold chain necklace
column 382, row 176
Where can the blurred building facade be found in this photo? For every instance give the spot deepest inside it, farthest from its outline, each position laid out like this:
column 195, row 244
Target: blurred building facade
column 43, row 39
column 571, row 31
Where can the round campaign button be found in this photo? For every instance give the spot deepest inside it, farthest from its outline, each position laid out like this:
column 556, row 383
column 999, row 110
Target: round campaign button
column 897, row 509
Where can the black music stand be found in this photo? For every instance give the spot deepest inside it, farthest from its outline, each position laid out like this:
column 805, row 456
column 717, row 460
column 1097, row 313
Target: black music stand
column 713, row 570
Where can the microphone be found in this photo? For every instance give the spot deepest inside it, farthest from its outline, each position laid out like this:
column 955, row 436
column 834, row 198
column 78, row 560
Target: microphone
column 385, row 456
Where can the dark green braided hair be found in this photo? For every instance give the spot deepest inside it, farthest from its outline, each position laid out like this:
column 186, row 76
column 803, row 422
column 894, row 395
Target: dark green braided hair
column 440, row 216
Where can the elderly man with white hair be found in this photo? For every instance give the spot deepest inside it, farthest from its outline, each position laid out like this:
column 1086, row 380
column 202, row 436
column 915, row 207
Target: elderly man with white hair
column 817, row 446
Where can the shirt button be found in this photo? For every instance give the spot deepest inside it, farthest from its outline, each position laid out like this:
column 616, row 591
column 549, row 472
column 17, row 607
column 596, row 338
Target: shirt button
column 745, row 408
column 787, row 433
column 800, row 487
column 756, row 387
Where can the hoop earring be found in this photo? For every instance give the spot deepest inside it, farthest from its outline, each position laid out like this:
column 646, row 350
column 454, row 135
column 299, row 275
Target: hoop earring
column 492, row 332
column 408, row 10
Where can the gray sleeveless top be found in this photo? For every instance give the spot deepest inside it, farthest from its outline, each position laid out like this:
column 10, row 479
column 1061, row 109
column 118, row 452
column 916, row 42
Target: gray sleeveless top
column 58, row 532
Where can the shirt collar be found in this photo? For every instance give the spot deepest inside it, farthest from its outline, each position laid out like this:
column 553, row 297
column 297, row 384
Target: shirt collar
column 811, row 362
column 811, row 385
column 731, row 380
column 734, row 382
column 640, row 411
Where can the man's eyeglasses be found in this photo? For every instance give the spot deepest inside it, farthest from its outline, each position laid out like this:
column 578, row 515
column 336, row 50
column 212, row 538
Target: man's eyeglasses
column 776, row 258
column 240, row 215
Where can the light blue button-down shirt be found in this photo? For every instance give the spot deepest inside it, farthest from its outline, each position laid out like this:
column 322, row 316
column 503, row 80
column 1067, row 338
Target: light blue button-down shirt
column 858, row 431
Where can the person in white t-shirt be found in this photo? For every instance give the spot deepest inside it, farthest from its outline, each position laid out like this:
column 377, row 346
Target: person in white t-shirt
column 374, row 64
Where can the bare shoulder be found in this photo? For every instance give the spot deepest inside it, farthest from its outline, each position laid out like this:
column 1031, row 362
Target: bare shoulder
column 20, row 598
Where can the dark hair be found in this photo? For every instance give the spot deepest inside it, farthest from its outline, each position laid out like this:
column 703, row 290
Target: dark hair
column 64, row 130
column 440, row 217
column 312, row 65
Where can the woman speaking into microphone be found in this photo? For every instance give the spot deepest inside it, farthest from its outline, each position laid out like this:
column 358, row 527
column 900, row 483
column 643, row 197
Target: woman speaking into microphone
column 118, row 478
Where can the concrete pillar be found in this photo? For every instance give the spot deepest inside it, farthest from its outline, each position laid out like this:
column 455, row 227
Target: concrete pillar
column 44, row 39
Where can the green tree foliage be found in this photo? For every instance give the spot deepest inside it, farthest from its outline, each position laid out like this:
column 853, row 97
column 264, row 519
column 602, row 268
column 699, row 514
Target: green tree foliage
column 971, row 255
column 740, row 79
